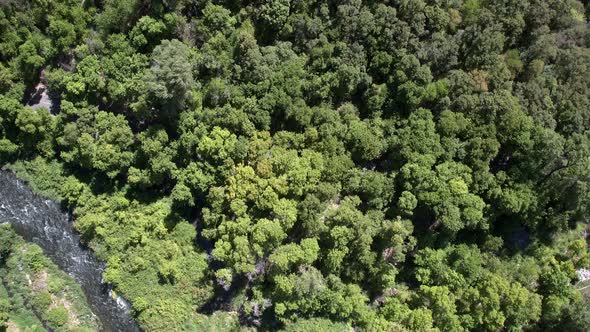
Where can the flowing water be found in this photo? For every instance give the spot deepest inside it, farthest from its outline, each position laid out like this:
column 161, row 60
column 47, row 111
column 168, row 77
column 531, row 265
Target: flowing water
column 43, row 222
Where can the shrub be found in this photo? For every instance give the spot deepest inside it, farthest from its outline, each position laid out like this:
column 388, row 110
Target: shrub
column 57, row 316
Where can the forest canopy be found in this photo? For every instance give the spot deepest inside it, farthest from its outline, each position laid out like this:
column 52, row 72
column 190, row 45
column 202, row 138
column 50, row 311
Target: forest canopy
column 313, row 165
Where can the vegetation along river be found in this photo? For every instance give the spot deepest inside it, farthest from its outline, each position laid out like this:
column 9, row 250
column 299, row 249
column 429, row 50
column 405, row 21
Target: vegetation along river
column 43, row 222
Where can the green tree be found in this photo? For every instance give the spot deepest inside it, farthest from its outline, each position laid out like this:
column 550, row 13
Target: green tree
column 99, row 141
column 274, row 13
column 169, row 79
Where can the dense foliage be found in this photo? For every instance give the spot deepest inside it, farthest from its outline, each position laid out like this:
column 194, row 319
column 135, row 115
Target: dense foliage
column 35, row 294
column 314, row 165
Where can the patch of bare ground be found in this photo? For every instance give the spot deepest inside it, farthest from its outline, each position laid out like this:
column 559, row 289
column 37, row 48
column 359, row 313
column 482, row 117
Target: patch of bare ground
column 39, row 284
column 73, row 321
column 12, row 327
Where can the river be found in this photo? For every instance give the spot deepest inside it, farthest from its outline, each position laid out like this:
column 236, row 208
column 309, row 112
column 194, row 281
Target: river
column 43, row 222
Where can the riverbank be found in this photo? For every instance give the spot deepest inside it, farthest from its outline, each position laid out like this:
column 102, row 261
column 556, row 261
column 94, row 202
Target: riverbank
column 43, row 222
column 14, row 314
column 39, row 294
column 42, row 176
column 147, row 247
